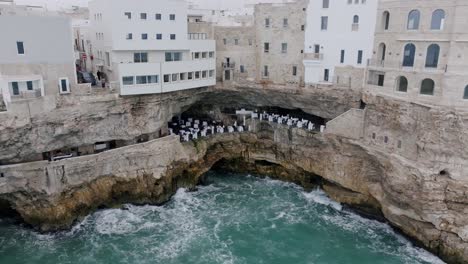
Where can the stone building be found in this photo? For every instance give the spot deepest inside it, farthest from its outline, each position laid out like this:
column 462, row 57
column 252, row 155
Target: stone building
column 421, row 51
column 280, row 36
column 34, row 70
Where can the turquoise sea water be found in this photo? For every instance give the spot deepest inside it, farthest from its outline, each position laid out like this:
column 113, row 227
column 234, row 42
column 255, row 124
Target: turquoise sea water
column 236, row 219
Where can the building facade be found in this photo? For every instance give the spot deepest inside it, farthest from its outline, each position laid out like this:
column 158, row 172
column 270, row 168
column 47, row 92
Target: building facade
column 280, row 36
column 36, row 56
column 338, row 34
column 421, row 51
column 146, row 48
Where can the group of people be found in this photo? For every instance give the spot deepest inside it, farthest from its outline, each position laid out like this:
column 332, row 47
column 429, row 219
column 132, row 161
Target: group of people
column 289, row 121
column 191, row 129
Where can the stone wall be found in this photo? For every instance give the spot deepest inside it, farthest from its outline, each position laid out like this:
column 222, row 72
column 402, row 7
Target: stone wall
column 348, row 125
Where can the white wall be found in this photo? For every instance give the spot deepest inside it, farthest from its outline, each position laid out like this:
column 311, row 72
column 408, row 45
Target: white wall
column 339, row 36
column 47, row 39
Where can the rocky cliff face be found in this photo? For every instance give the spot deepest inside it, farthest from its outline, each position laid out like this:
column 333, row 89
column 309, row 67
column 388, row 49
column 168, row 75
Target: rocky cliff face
column 409, row 168
column 375, row 183
column 85, row 120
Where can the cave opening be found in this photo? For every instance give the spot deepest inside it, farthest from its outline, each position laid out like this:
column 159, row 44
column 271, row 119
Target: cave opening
column 227, row 113
column 7, row 212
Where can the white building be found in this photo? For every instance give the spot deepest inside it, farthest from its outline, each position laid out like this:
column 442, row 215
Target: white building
column 339, row 33
column 145, row 48
column 36, row 55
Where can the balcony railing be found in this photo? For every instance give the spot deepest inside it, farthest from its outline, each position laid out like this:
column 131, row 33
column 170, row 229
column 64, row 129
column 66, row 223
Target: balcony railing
column 27, row 94
column 313, row 56
column 355, row 27
column 229, row 65
column 197, row 36
column 396, row 64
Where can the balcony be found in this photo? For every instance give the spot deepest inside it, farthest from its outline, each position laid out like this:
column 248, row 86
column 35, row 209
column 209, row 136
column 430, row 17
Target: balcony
column 229, row 65
column 399, row 65
column 355, row 27
column 313, row 56
column 30, row 94
column 197, row 36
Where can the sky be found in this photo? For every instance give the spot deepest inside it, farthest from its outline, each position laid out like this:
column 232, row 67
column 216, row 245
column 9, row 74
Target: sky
column 210, row 4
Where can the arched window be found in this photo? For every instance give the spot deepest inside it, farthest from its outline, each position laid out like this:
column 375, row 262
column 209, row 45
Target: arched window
column 356, row 19
column 438, row 19
column 427, row 87
column 408, row 55
column 465, row 94
column 432, row 56
column 386, row 20
column 382, row 51
column 402, row 84
column 413, row 20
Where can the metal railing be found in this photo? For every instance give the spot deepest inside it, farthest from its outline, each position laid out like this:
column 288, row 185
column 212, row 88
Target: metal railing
column 197, row 36
column 29, row 94
column 355, row 27
column 229, row 65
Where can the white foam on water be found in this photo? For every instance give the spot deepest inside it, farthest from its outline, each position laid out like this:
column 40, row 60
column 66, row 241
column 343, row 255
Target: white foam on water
column 320, row 197
column 117, row 221
column 374, row 231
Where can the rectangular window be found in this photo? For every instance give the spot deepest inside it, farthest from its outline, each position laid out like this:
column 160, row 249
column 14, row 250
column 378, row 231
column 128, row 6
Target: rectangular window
column 196, row 55
column 242, row 69
column 108, row 59
column 284, row 47
column 63, row 82
column 175, row 77
column 173, row 56
column 212, row 73
column 294, row 71
column 197, row 75
column 142, row 15
column 266, row 47
column 224, row 41
column 267, row 22
column 265, row 71
column 324, row 24
column 190, row 75
column 172, row 17
column 326, row 3
column 359, row 57
column 158, row 16
column 141, row 80
column 153, row 79
column 167, row 78
column 204, row 55
column 211, row 54
column 158, row 36
column 15, row 87
column 144, row 36
column 285, row 22
column 129, row 36
column 342, row 55
column 128, row 15
column 326, row 75
column 128, row 80
column 183, row 76
column 29, row 85
column 204, row 74
column 173, row 36
column 20, row 47
column 140, row 57
column 236, row 42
